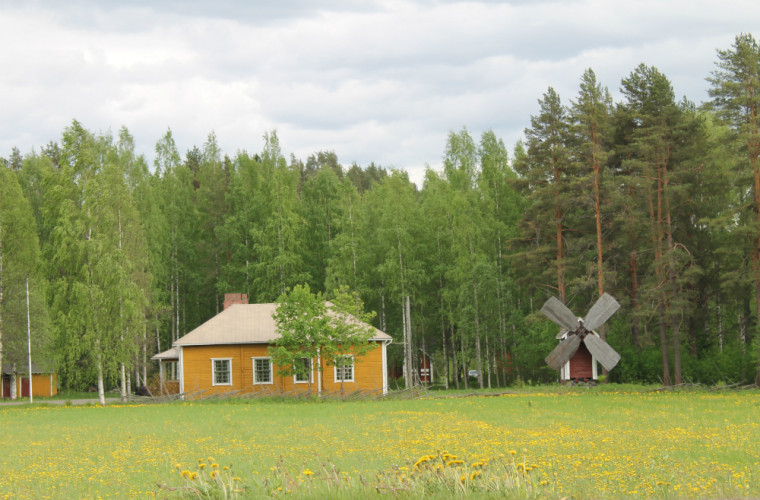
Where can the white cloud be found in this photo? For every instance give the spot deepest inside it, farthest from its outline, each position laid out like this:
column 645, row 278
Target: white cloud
column 382, row 81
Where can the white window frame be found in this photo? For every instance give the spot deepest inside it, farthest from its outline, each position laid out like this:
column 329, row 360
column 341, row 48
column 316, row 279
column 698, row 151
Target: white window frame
column 310, row 371
column 271, row 370
column 213, row 371
column 353, row 369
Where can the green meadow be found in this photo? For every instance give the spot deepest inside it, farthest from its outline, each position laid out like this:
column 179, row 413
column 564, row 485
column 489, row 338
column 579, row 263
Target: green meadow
column 605, row 442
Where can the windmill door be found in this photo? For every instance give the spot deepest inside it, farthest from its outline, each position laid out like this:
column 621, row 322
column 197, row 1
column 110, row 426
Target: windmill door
column 581, row 364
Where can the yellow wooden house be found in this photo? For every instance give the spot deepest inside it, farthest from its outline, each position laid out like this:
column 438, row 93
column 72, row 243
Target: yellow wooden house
column 229, row 352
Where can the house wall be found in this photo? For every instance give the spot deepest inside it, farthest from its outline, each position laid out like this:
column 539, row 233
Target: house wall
column 43, row 385
column 197, row 371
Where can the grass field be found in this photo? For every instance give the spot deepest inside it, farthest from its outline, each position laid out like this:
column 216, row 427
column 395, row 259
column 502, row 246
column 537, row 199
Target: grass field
column 549, row 442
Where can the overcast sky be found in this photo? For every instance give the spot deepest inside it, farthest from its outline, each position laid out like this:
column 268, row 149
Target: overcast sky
column 381, row 81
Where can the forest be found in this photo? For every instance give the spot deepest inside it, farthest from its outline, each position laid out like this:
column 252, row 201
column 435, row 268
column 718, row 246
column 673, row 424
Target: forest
column 654, row 199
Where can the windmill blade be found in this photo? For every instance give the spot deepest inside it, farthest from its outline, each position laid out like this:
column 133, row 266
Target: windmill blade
column 602, row 351
column 563, row 352
column 560, row 314
column 601, row 312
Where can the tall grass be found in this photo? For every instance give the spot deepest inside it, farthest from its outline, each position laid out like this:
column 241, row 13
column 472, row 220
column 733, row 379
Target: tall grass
column 584, row 442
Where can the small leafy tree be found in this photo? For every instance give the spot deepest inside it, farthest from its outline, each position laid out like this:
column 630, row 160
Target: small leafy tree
column 301, row 319
column 349, row 330
column 310, row 327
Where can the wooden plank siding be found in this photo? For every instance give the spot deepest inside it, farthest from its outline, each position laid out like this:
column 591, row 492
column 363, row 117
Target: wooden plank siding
column 197, row 371
column 43, row 385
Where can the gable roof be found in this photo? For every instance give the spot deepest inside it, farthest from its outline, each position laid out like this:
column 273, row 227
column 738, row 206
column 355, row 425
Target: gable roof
column 168, row 355
column 44, row 366
column 243, row 324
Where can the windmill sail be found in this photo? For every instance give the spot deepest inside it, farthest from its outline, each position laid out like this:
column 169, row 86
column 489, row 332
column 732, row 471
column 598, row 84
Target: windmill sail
column 602, row 351
column 563, row 352
column 600, row 312
column 560, row 314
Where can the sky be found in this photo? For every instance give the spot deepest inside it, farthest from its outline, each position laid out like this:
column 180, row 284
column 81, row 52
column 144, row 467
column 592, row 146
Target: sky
column 373, row 81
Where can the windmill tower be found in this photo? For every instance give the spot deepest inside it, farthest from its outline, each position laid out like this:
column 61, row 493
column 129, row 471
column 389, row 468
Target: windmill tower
column 580, row 346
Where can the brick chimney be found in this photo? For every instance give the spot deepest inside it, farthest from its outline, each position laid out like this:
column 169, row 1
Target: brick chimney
column 234, row 298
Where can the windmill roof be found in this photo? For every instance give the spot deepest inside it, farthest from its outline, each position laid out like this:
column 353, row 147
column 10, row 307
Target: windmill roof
column 563, row 333
column 243, row 324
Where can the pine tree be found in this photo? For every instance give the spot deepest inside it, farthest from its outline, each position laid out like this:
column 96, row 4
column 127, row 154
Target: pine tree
column 736, row 99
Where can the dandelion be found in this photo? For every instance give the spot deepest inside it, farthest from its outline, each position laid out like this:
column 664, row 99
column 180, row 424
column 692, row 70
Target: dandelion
column 307, row 472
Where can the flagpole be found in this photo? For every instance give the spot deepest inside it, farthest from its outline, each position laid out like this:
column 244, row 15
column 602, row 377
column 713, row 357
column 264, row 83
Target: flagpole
column 29, row 341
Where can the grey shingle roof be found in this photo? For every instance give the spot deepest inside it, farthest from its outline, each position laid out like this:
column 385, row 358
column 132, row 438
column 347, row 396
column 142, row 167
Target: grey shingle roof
column 242, row 324
column 169, row 354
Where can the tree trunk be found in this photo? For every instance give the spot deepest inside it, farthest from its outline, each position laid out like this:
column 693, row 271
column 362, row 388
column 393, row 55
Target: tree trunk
column 465, row 364
column 123, row 372
column 635, row 301
column 656, row 221
column 478, row 357
column 99, row 368
column 410, row 344
column 560, row 244
column 382, row 306
column 443, row 344
column 454, row 355
column 145, row 353
column 488, row 362
column 14, row 382
column 664, row 345
column 676, row 324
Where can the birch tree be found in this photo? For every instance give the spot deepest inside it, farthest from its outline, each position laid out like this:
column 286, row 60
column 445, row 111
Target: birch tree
column 19, row 261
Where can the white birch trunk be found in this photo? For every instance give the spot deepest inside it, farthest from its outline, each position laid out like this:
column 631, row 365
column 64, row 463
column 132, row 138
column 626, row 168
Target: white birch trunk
column 412, row 373
column 407, row 368
column 123, row 389
column 14, row 383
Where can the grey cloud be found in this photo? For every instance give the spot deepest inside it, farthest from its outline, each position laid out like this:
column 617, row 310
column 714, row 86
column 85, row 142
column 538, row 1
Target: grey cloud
column 376, row 81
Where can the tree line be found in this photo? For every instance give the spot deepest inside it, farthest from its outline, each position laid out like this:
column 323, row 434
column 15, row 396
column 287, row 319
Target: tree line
column 653, row 199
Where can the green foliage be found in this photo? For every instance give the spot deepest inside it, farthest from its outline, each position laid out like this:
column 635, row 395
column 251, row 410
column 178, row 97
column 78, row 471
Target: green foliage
column 650, row 198
column 20, row 261
column 312, row 328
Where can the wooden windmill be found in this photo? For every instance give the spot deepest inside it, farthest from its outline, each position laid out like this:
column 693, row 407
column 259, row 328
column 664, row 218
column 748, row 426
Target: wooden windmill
column 580, row 346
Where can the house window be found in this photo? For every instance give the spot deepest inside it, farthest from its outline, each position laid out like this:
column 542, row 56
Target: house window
column 262, row 370
column 303, row 370
column 221, row 371
column 344, row 369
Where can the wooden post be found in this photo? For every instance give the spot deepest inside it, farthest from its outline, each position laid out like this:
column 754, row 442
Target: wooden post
column 29, row 341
